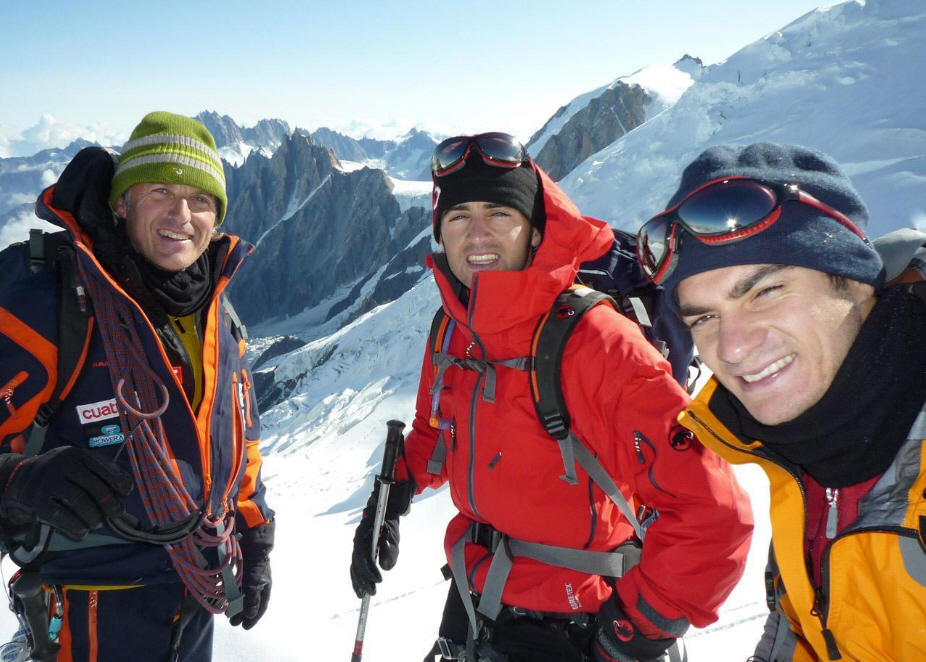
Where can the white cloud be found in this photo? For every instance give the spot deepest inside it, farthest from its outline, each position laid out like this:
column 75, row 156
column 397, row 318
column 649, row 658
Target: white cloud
column 50, row 132
column 18, row 228
column 49, row 177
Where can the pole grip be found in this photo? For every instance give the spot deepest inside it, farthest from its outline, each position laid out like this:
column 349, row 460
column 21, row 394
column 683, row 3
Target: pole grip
column 385, row 479
column 391, row 450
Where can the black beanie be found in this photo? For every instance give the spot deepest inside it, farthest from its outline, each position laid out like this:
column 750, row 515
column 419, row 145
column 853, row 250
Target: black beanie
column 803, row 236
column 518, row 188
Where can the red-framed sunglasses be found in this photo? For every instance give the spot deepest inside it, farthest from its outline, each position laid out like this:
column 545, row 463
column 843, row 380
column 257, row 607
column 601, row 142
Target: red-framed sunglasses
column 720, row 212
column 495, row 148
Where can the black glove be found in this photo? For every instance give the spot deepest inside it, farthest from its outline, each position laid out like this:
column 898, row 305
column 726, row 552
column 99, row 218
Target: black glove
column 619, row 640
column 256, row 544
column 68, row 488
column 364, row 574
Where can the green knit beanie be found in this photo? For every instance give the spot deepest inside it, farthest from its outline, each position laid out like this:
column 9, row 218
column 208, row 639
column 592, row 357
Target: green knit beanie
column 171, row 149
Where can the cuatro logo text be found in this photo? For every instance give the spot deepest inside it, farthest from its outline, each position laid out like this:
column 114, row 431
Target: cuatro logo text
column 97, row 411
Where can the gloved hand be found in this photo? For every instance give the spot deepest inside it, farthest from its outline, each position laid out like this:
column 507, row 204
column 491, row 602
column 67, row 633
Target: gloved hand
column 618, row 639
column 364, row 575
column 256, row 544
column 69, row 488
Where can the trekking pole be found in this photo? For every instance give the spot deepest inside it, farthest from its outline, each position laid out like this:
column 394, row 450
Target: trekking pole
column 385, row 479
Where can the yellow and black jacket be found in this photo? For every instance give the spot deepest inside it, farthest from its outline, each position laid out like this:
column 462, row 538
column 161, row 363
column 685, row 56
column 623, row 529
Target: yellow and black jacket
column 871, row 606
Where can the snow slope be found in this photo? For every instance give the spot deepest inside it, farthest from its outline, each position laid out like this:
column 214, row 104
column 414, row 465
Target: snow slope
column 845, row 79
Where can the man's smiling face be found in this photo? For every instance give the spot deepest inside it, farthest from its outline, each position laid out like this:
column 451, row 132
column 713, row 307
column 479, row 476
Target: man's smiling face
column 775, row 336
column 484, row 236
column 169, row 224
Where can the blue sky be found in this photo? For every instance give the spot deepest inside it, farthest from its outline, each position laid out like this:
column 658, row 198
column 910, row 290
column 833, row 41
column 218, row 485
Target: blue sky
column 97, row 67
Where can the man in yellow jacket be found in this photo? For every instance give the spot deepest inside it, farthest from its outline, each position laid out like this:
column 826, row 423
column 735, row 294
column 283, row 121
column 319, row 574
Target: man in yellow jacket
column 819, row 378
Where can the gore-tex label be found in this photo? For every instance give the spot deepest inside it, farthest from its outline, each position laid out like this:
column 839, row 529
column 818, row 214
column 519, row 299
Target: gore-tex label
column 98, row 411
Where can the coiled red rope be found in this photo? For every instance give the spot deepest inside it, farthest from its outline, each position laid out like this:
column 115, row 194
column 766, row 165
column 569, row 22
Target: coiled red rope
column 142, row 398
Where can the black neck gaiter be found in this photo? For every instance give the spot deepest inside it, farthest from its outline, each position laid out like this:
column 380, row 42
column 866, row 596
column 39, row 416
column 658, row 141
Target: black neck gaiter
column 853, row 433
column 178, row 293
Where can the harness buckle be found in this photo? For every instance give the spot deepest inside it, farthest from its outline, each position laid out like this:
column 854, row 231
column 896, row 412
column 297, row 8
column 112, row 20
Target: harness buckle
column 486, row 535
column 448, row 649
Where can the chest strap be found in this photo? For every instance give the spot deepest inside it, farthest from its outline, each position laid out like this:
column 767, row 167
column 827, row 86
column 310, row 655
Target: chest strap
column 608, row 564
column 443, row 361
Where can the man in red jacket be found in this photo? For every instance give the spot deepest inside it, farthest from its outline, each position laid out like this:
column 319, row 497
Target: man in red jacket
column 532, row 549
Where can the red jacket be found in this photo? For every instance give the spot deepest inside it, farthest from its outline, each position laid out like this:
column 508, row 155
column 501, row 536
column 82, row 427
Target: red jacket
column 504, row 469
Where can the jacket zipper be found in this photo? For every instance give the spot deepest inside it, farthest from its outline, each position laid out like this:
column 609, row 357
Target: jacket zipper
column 472, row 407
column 238, row 443
column 821, row 601
column 472, row 446
column 451, row 446
column 247, row 397
column 593, row 526
column 832, row 514
column 637, row 438
column 820, row 607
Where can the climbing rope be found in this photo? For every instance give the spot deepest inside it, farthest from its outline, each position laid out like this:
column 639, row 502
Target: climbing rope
column 142, row 399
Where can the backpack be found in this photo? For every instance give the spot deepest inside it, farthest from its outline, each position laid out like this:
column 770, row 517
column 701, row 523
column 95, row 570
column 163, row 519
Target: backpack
column 75, row 321
column 53, row 250
column 618, row 274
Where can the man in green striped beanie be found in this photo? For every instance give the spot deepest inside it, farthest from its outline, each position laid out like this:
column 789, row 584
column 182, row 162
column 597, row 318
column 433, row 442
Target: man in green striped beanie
column 144, row 485
column 170, row 188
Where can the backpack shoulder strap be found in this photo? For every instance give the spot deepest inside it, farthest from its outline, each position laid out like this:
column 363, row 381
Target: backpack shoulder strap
column 549, row 343
column 438, row 339
column 438, row 329
column 238, row 329
column 548, row 346
column 75, row 324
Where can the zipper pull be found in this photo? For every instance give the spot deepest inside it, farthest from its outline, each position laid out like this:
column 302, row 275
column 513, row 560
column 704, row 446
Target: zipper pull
column 638, row 446
column 832, row 515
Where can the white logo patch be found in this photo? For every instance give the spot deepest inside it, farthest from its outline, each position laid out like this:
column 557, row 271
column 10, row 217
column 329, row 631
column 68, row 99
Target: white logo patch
column 97, row 411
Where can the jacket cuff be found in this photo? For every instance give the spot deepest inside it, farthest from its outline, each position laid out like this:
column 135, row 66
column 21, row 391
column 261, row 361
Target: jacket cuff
column 654, row 622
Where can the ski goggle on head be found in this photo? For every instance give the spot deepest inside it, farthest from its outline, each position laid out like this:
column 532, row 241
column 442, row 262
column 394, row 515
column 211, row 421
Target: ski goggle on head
column 495, row 148
column 720, row 212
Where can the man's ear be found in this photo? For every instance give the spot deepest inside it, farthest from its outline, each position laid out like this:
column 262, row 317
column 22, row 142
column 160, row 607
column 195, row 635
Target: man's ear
column 119, row 207
column 536, row 237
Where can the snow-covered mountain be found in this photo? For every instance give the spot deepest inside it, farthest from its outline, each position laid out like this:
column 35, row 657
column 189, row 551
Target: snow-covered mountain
column 594, row 120
column 845, row 79
column 235, row 142
column 320, row 229
column 405, row 158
